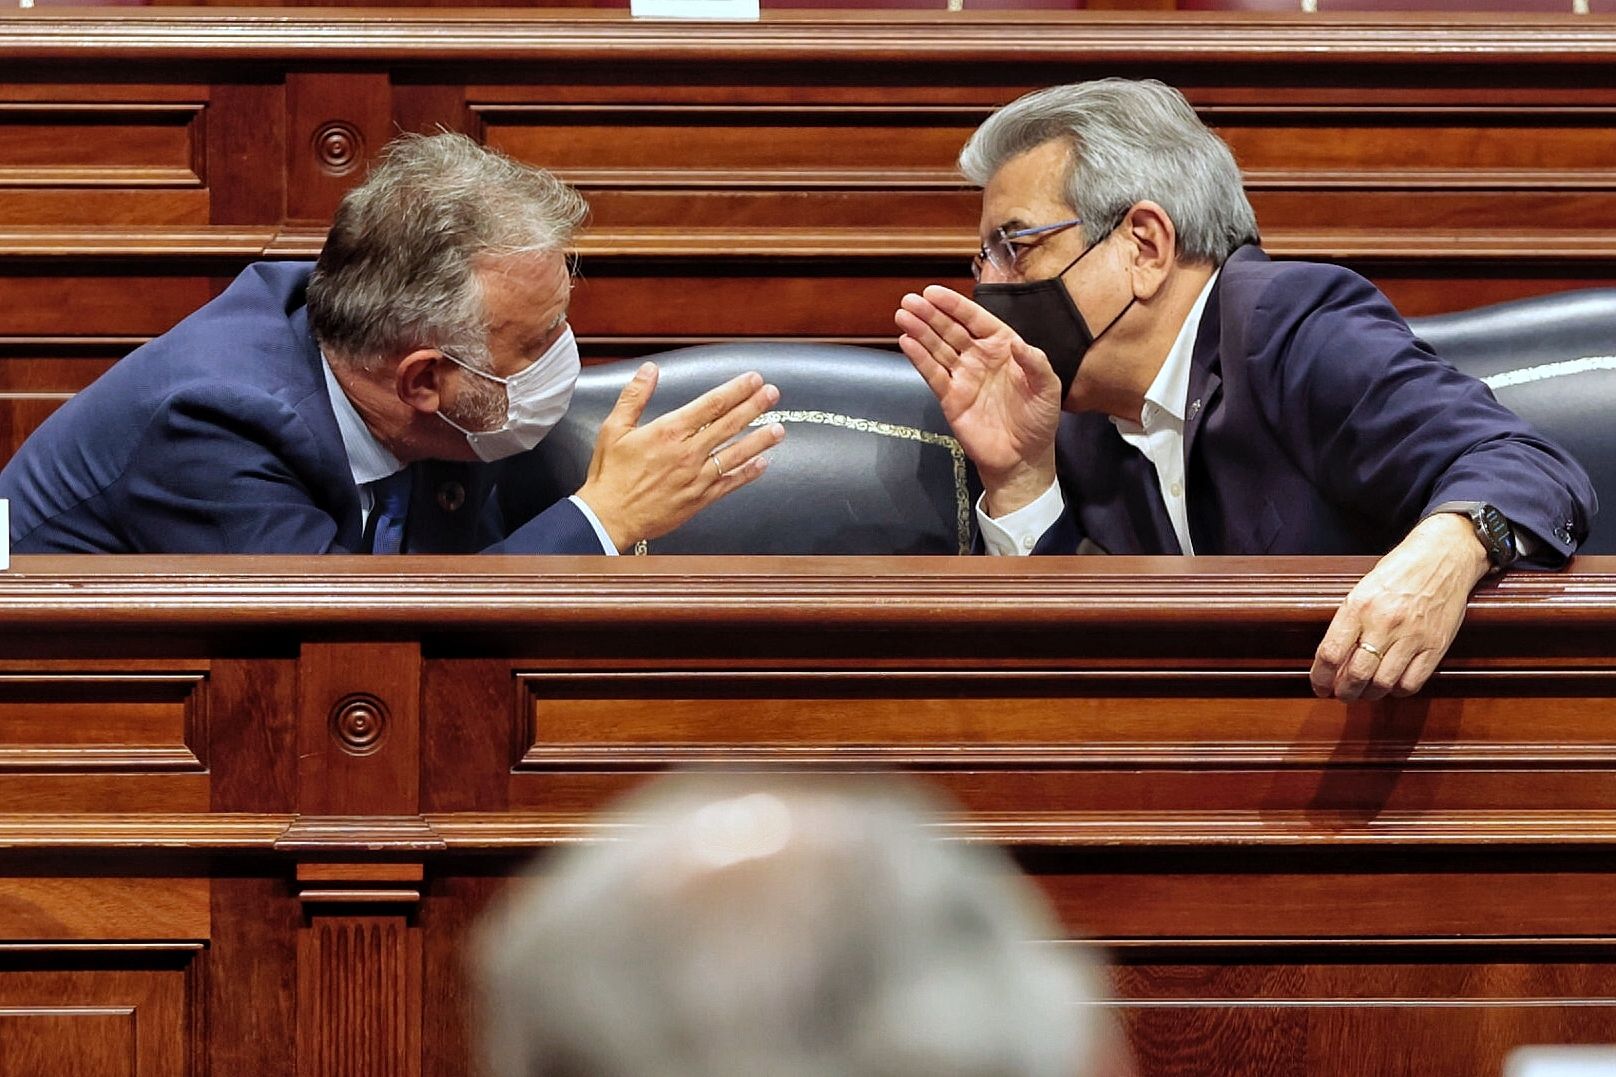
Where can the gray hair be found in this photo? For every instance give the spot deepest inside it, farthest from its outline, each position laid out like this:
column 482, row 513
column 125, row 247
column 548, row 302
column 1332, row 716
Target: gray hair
column 753, row 927
column 398, row 270
column 1131, row 142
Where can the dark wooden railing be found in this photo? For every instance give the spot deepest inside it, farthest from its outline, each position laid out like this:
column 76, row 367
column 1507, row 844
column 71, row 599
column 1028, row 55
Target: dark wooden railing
column 249, row 807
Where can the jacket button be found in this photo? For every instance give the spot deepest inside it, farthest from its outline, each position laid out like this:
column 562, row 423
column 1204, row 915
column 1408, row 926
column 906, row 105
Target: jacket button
column 451, row 495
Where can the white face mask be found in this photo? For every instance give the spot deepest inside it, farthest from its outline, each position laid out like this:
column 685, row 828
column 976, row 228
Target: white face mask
column 535, row 400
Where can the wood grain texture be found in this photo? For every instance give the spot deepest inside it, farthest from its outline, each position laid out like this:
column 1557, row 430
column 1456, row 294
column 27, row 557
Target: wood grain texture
column 359, row 991
column 789, row 179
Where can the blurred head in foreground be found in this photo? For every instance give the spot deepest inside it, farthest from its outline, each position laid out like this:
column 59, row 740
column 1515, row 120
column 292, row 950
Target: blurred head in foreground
column 750, row 926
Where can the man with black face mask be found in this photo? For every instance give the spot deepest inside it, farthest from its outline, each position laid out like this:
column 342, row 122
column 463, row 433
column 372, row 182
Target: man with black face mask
column 1133, row 375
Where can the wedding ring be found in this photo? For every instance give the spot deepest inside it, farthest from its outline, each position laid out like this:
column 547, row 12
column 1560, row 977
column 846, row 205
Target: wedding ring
column 713, row 456
column 1371, row 648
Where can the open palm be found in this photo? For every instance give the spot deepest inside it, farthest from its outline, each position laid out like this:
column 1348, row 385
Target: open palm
column 998, row 393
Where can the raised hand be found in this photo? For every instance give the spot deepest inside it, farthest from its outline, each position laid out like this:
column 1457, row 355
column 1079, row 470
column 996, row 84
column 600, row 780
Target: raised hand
column 644, row 481
column 998, row 393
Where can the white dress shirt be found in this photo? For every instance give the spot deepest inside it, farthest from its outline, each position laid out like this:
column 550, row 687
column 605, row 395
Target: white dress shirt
column 370, row 461
column 1159, row 435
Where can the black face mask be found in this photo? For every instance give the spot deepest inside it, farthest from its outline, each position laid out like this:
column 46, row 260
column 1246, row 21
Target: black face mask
column 1042, row 314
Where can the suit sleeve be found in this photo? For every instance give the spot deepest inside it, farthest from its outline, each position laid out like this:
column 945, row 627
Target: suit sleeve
column 559, row 529
column 235, row 472
column 1386, row 428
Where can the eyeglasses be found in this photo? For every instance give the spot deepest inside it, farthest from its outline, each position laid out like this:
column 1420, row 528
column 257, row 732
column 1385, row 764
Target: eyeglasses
column 1003, row 252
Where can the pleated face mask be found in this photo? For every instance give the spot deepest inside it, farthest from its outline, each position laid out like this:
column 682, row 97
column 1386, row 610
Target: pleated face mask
column 1042, row 314
column 535, row 400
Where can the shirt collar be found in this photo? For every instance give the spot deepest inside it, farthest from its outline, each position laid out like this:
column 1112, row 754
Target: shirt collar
column 1170, row 390
column 368, row 458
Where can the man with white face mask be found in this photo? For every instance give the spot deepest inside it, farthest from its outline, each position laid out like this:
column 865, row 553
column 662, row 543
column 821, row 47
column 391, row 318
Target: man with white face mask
column 362, row 404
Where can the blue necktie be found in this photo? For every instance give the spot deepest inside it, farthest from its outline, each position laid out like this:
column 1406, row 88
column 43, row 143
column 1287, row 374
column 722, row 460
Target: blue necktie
column 389, row 511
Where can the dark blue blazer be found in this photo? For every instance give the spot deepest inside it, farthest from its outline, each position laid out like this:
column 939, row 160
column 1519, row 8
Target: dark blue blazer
column 218, row 437
column 1316, row 423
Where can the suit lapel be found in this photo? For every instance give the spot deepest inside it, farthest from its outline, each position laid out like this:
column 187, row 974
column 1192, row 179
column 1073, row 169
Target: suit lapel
column 1205, row 378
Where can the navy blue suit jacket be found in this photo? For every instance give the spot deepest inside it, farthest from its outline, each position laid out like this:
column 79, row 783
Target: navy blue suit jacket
column 218, row 437
column 1316, row 423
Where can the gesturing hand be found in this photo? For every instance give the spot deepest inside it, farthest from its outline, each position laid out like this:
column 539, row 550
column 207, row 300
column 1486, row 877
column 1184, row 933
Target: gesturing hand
column 998, row 393
column 644, row 481
column 1398, row 622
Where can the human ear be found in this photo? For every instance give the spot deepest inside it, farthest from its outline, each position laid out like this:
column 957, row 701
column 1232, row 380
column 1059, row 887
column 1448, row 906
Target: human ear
column 1153, row 243
column 418, row 379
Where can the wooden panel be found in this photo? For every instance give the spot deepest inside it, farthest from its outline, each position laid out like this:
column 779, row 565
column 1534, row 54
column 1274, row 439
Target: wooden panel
column 713, row 146
column 249, row 993
column 66, row 1041
column 1359, row 1016
column 40, row 373
column 91, row 908
column 360, row 993
column 803, row 299
column 102, row 720
column 67, row 1014
column 1280, row 880
column 65, row 303
column 360, row 730
column 112, row 791
column 1087, row 717
column 72, row 144
column 335, row 123
column 1461, row 146
column 99, row 156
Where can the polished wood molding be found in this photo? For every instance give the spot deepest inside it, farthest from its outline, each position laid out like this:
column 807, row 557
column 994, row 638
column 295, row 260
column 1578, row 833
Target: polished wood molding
column 436, row 36
column 844, row 246
column 427, row 594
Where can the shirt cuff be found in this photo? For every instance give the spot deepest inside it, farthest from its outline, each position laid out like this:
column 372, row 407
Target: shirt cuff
column 1015, row 534
column 606, row 544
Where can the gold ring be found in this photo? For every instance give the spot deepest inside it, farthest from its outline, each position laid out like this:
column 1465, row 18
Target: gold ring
column 713, row 456
column 1371, row 648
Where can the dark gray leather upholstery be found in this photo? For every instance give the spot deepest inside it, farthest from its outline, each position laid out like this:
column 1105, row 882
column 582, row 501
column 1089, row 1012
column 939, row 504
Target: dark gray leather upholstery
column 868, row 465
column 1552, row 360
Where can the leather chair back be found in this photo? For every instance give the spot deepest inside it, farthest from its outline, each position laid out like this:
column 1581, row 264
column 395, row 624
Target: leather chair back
column 868, row 465
column 1552, row 360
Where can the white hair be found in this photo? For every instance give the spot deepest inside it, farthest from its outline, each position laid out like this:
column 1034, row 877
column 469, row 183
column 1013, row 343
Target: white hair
column 399, row 267
column 747, row 927
column 1131, row 142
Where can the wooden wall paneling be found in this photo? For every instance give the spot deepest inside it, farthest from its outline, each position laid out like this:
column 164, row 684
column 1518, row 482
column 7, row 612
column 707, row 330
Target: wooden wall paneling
column 39, row 375
column 786, row 179
column 359, row 728
column 103, row 1010
column 456, row 900
column 252, row 997
column 465, row 766
column 423, row 103
column 359, row 990
column 1403, row 1010
column 336, row 122
column 100, row 155
column 359, row 997
column 1283, row 879
column 79, row 737
column 248, row 158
